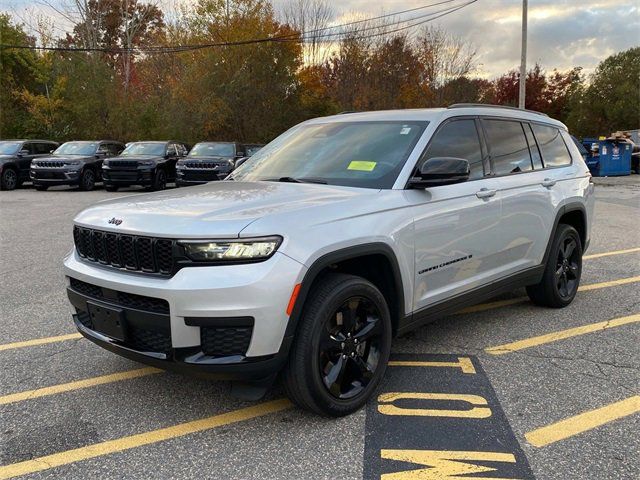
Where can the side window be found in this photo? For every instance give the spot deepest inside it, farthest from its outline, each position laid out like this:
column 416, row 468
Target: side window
column 508, row 147
column 30, row 147
column 533, row 147
column 182, row 150
column 458, row 138
column 114, row 148
column 554, row 150
column 171, row 151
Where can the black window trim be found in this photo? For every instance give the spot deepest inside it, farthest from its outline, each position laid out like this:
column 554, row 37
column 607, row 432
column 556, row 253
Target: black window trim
column 544, row 163
column 483, row 147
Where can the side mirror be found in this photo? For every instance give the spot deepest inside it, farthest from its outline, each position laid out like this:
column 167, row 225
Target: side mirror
column 441, row 171
column 23, row 152
column 240, row 161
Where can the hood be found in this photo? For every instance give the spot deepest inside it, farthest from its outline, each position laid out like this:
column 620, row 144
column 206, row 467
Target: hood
column 138, row 158
column 215, row 210
column 64, row 158
column 7, row 157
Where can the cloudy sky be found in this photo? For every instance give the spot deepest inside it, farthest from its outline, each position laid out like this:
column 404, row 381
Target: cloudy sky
column 562, row 33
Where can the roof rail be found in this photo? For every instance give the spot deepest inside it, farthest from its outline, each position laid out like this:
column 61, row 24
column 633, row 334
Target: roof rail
column 488, row 105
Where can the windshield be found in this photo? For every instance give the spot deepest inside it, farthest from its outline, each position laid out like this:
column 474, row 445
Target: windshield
column 141, row 148
column 9, row 148
column 356, row 154
column 213, row 150
column 77, row 148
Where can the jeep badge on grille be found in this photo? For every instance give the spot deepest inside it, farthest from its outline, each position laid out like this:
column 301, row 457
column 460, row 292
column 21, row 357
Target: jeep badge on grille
column 115, row 221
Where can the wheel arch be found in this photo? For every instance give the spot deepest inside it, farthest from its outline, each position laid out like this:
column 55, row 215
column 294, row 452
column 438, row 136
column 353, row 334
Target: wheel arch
column 574, row 214
column 376, row 262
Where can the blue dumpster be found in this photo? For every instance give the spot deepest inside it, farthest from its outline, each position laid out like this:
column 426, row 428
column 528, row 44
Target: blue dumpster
column 610, row 157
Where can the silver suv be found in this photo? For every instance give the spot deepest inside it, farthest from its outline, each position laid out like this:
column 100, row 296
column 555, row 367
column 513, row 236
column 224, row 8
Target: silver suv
column 337, row 236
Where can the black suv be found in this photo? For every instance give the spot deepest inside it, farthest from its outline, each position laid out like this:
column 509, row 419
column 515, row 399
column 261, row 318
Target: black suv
column 151, row 164
column 208, row 161
column 15, row 160
column 73, row 163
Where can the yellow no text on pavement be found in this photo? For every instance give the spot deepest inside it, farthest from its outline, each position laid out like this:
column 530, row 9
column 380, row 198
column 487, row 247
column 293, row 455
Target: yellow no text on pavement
column 39, row 341
column 77, row 385
column 562, row 334
column 583, row 422
column 126, row 443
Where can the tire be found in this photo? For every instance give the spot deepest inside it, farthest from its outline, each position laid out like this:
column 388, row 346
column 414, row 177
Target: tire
column 41, row 188
column 326, row 349
column 87, row 180
column 561, row 277
column 110, row 188
column 9, row 179
column 159, row 181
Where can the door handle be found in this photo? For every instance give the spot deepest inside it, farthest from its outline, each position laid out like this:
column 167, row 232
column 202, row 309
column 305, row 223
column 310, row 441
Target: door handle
column 547, row 182
column 485, row 193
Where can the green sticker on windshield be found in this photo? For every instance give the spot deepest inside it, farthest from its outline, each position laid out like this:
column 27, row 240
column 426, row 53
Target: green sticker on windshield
column 362, row 166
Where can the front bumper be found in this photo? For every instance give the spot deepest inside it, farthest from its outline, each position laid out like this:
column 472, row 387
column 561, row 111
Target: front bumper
column 139, row 176
column 199, row 300
column 54, row 176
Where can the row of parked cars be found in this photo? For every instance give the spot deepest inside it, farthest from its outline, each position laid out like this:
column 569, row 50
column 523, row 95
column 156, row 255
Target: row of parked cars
column 151, row 164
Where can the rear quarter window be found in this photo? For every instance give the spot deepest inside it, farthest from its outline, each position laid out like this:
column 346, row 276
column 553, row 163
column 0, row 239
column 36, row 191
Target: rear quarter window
column 554, row 151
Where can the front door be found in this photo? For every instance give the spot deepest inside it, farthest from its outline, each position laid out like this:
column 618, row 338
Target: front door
column 455, row 225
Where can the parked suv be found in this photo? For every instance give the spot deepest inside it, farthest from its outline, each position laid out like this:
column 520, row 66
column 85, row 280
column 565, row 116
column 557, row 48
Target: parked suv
column 73, row 163
column 15, row 160
column 208, row 161
column 339, row 235
column 151, row 164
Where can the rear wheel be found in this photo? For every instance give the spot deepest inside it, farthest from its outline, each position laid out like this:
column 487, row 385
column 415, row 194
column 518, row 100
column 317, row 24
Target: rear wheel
column 87, row 180
column 561, row 277
column 341, row 348
column 9, row 179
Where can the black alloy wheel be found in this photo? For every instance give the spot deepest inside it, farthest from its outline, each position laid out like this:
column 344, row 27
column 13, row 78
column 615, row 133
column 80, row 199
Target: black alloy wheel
column 9, row 180
column 349, row 350
column 87, row 180
column 568, row 268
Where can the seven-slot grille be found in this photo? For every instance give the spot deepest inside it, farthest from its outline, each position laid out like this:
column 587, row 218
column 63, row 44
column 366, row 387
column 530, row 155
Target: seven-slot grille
column 135, row 253
column 50, row 163
column 123, row 163
column 202, row 165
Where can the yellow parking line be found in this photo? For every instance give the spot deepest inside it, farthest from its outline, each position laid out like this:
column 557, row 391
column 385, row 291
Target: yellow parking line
column 561, row 335
column 78, row 385
column 583, row 422
column 514, row 301
column 126, row 443
column 39, row 341
column 608, row 254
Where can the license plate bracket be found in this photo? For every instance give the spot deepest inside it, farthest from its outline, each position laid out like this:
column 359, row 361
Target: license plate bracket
column 107, row 320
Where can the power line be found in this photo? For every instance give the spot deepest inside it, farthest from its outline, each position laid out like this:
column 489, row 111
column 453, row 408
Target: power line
column 298, row 37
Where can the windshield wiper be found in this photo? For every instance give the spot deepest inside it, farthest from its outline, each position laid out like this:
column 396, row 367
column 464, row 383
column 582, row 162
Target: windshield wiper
column 297, row 180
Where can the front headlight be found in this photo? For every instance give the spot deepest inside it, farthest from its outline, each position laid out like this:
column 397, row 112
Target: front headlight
column 147, row 163
column 231, row 250
column 72, row 163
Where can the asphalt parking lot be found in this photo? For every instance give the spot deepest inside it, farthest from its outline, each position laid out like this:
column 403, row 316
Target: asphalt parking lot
column 501, row 390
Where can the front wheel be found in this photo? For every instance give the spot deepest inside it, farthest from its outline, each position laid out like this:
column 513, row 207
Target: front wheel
column 87, row 180
column 561, row 277
column 341, row 348
column 159, row 181
column 9, row 179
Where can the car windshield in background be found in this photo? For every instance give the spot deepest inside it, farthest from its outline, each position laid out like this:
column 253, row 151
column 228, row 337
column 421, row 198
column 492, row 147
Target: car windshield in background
column 9, row 148
column 77, row 148
column 213, row 150
column 356, row 154
column 155, row 149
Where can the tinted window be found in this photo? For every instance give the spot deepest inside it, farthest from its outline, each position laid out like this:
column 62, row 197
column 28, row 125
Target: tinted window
column 143, row 148
column 458, row 139
column 533, row 148
column 114, row 148
column 554, row 150
column 77, row 148
column 43, row 148
column 171, row 150
column 508, row 147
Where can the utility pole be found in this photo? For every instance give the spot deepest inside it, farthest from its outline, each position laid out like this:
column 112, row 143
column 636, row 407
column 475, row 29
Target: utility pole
column 523, row 60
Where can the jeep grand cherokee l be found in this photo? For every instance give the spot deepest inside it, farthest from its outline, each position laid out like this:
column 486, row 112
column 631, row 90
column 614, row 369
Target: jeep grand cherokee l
column 150, row 164
column 73, row 163
column 15, row 160
column 207, row 162
column 339, row 235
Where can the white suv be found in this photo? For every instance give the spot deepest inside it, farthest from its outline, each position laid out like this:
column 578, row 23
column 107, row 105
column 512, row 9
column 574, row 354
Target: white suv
column 337, row 236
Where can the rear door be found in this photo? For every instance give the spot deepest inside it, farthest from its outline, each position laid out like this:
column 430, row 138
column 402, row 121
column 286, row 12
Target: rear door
column 455, row 225
column 526, row 192
column 24, row 159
